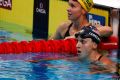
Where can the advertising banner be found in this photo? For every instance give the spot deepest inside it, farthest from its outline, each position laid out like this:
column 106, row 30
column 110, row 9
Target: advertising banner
column 40, row 19
column 96, row 19
column 7, row 4
column 16, row 20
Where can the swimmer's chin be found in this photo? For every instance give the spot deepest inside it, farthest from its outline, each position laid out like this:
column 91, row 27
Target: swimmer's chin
column 81, row 57
column 78, row 53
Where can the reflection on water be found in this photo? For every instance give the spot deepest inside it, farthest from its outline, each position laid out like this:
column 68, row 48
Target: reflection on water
column 47, row 70
column 16, row 67
column 4, row 36
column 9, row 36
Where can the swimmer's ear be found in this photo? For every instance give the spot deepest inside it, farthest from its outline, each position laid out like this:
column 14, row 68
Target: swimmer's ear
column 94, row 45
column 83, row 11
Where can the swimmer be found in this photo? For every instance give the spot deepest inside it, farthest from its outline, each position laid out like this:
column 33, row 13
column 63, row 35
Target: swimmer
column 88, row 39
column 77, row 12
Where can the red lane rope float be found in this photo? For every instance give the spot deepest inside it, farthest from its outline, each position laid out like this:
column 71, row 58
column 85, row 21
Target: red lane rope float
column 56, row 46
column 7, row 47
column 33, row 45
column 109, row 43
column 72, row 44
column 61, row 46
column 24, row 46
column 64, row 46
column 52, row 46
column 44, row 46
column 38, row 47
column 16, row 48
column 2, row 48
column 67, row 46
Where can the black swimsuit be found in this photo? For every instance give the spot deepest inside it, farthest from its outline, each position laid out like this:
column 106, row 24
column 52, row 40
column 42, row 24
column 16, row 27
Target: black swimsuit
column 98, row 63
column 67, row 32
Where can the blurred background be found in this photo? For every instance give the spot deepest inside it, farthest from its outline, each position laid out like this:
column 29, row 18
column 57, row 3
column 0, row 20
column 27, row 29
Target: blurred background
column 34, row 19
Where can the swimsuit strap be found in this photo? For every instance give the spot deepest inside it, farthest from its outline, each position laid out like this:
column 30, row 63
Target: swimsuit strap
column 98, row 60
column 100, row 57
column 67, row 32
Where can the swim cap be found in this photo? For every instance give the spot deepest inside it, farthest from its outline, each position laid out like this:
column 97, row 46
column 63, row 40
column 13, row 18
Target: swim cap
column 89, row 32
column 86, row 4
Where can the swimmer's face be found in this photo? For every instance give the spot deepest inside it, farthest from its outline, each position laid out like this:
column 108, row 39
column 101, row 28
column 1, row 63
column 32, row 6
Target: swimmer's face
column 85, row 47
column 74, row 10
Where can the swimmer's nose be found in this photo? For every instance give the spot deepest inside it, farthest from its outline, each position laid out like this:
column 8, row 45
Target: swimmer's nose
column 78, row 45
column 68, row 9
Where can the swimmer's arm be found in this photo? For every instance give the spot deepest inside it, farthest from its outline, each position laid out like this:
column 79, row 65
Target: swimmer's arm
column 57, row 34
column 60, row 31
column 105, row 31
column 74, row 58
column 97, row 71
column 108, row 64
column 103, row 68
column 112, row 68
column 46, row 59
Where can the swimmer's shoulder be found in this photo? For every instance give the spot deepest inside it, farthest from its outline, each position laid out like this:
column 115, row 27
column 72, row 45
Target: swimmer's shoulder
column 106, row 61
column 64, row 26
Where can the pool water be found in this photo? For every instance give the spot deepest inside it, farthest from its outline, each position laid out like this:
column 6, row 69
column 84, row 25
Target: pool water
column 18, row 67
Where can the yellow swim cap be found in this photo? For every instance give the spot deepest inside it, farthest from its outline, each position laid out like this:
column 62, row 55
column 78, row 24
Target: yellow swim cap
column 86, row 4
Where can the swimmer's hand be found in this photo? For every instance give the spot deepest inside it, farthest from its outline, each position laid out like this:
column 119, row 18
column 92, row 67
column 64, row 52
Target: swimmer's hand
column 46, row 59
column 69, row 37
column 53, row 58
column 33, row 61
column 98, row 72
